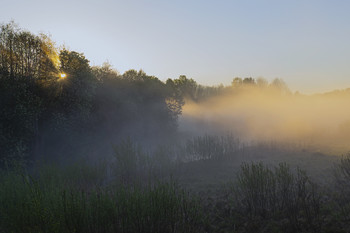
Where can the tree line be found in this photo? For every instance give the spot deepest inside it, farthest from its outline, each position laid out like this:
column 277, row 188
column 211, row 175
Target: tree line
column 52, row 100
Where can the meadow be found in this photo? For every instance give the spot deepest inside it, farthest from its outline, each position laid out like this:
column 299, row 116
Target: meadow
column 222, row 190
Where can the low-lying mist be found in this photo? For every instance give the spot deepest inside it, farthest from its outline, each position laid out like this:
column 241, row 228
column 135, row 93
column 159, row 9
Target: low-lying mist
column 255, row 114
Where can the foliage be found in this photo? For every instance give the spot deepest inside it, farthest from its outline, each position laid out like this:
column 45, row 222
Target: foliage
column 21, row 109
column 271, row 199
column 133, row 165
column 47, row 205
column 135, row 103
column 24, row 54
column 131, row 162
column 341, row 194
column 43, row 113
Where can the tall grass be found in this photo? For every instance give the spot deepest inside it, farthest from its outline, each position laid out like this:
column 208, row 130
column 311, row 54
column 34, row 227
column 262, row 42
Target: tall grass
column 211, row 147
column 124, row 195
column 133, row 164
column 35, row 205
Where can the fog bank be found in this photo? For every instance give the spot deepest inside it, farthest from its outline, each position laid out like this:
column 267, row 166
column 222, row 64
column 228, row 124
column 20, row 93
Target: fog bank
column 319, row 121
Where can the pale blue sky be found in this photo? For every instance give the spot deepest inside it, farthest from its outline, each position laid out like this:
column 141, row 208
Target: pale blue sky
column 306, row 43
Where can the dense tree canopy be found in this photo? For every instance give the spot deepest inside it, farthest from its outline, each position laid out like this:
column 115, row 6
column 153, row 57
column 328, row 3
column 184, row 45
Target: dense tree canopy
column 25, row 54
column 53, row 100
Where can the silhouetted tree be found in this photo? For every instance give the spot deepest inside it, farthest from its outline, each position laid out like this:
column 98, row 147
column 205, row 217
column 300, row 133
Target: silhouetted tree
column 280, row 86
column 248, row 81
column 25, row 54
column 237, row 82
column 21, row 107
column 187, row 87
column 262, row 83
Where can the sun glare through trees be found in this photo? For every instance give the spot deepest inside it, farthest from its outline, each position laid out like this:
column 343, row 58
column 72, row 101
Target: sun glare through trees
column 87, row 148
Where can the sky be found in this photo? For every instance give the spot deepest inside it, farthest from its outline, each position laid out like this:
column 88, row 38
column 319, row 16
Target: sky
column 304, row 42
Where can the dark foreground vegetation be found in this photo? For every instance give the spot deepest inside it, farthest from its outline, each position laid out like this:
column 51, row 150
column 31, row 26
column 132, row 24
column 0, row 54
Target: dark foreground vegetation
column 153, row 193
column 86, row 149
column 52, row 203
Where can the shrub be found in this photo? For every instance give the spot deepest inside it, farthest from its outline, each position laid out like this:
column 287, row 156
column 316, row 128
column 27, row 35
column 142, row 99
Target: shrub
column 341, row 191
column 274, row 198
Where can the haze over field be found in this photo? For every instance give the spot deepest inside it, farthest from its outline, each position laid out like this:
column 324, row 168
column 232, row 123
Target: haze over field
column 208, row 116
column 263, row 114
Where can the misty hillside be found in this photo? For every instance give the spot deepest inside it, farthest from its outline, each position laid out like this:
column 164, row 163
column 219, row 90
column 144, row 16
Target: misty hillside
column 87, row 149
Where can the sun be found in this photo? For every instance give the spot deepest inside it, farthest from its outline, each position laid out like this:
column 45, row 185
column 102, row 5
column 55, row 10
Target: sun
column 63, row 75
